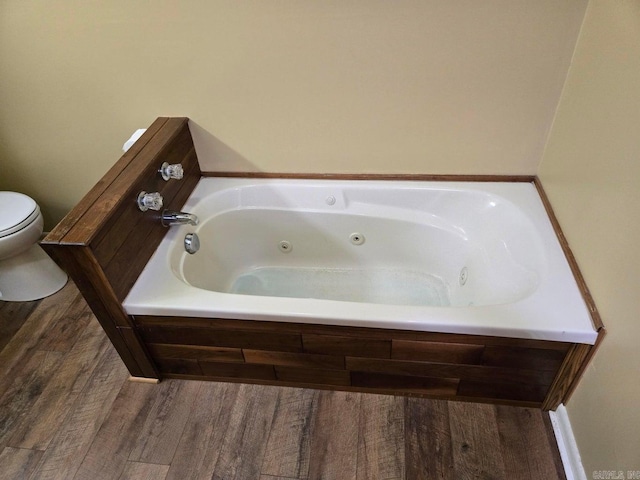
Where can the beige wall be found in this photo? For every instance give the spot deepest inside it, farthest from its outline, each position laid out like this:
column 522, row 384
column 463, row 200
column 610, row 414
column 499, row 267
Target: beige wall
column 409, row 86
column 591, row 172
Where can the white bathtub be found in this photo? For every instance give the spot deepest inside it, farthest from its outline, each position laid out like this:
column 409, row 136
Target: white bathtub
column 475, row 258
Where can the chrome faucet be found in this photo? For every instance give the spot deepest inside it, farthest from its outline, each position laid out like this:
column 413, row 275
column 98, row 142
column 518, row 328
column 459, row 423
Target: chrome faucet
column 170, row 218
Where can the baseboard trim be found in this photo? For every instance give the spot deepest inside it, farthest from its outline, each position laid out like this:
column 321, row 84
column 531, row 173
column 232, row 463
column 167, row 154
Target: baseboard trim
column 567, row 445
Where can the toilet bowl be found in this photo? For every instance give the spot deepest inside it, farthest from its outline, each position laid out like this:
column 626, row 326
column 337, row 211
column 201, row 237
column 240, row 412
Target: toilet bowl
column 26, row 271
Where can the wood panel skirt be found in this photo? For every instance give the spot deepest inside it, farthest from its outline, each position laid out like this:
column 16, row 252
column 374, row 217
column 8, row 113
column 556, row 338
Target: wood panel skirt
column 462, row 367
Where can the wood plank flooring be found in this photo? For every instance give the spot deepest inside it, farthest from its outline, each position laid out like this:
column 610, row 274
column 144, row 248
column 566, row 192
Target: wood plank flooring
column 68, row 411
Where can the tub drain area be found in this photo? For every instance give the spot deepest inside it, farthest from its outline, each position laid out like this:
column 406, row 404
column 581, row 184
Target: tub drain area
column 375, row 285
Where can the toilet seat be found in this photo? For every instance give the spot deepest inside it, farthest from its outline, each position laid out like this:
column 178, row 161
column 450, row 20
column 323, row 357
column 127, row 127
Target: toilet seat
column 17, row 211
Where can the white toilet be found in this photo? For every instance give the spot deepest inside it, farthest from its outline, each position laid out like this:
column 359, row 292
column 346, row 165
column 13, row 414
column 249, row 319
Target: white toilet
column 26, row 271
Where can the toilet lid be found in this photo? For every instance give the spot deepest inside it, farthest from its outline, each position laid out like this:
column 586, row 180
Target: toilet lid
column 16, row 212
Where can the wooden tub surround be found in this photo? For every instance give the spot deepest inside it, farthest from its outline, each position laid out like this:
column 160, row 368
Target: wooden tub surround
column 105, row 242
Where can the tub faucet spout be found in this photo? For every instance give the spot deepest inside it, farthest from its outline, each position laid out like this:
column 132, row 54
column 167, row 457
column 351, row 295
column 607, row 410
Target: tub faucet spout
column 170, row 218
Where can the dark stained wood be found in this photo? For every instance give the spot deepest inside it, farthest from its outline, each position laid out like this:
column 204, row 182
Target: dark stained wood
column 313, row 376
column 110, row 428
column 222, row 338
column 526, row 358
column 338, row 345
column 340, row 330
column 418, row 177
column 501, row 370
column 100, row 212
column 81, row 265
column 214, row 354
column 425, row 385
column 505, row 391
column 144, row 235
column 293, row 359
column 71, row 219
column 444, row 370
column 437, row 352
column 238, row 370
column 182, row 366
column 105, row 242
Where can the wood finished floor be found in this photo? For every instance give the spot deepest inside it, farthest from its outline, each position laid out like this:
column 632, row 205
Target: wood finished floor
column 67, row 411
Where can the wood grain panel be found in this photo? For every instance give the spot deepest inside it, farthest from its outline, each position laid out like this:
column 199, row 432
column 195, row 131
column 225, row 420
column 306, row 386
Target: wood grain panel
column 87, row 275
column 526, row 358
column 505, row 391
column 125, row 218
column 405, row 383
column 105, row 242
column 98, row 213
column 237, row 370
column 294, row 359
column 145, row 236
column 222, row 338
column 214, row 354
column 337, row 345
column 347, row 331
column 441, row 370
column 179, row 366
column 566, row 375
column 436, row 352
column 313, row 376
column 72, row 218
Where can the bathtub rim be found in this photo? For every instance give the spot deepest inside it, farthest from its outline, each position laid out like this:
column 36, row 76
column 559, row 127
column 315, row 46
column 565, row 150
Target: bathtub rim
column 306, row 310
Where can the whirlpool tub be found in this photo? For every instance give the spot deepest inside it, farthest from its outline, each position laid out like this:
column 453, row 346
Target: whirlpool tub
column 478, row 258
column 387, row 284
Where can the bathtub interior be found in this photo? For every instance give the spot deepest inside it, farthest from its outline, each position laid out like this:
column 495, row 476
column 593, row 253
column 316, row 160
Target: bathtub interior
column 442, row 246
